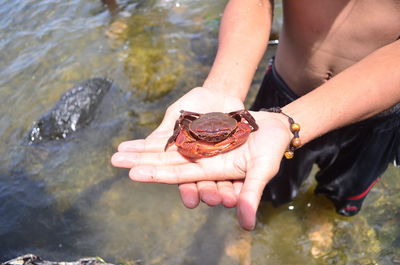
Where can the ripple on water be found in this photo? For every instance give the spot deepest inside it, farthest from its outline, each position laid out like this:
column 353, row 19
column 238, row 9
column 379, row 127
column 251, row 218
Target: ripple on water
column 66, row 200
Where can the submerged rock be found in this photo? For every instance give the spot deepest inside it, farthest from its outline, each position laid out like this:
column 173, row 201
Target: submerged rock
column 75, row 109
column 31, row 259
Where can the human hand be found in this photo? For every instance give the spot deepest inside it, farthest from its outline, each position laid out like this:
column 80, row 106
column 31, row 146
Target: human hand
column 201, row 100
column 257, row 161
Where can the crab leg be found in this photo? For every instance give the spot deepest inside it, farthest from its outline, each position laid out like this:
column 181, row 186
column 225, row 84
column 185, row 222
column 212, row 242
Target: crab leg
column 183, row 118
column 247, row 116
column 185, row 114
column 171, row 139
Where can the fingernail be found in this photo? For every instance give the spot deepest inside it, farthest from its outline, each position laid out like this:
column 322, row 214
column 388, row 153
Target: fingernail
column 142, row 173
column 124, row 160
column 117, row 158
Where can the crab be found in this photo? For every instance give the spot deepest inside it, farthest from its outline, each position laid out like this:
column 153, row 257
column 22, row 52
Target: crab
column 204, row 135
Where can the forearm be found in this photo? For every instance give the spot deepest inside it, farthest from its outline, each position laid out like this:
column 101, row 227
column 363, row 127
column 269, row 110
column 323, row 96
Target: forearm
column 243, row 38
column 361, row 91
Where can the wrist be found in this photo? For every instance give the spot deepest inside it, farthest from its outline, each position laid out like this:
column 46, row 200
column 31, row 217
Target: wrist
column 293, row 129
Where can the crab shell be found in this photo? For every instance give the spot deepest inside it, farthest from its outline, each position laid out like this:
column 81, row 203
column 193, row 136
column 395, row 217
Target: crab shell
column 204, row 135
column 213, row 127
column 192, row 148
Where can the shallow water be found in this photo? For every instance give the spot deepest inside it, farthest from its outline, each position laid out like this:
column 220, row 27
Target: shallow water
column 62, row 200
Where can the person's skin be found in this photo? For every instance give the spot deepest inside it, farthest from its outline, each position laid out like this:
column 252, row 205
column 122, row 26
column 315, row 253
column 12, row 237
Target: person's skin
column 318, row 37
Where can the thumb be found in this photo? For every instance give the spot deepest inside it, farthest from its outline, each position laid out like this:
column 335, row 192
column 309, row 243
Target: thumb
column 258, row 175
column 166, row 126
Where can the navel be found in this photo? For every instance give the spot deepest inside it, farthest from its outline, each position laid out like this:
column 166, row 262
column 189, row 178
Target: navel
column 328, row 75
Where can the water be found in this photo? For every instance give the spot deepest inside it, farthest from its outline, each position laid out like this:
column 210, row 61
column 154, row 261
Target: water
column 63, row 200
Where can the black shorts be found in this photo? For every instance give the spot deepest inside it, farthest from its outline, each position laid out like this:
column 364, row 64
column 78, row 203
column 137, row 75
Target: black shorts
column 350, row 159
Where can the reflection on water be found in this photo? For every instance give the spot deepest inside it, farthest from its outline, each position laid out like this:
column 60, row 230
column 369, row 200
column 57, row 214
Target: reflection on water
column 63, row 200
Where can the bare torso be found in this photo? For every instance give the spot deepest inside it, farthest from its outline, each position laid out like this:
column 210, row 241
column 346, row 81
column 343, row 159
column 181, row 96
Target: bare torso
column 321, row 38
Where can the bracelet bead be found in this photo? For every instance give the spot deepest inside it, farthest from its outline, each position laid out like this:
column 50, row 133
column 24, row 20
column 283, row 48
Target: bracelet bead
column 289, row 154
column 294, row 128
column 296, row 142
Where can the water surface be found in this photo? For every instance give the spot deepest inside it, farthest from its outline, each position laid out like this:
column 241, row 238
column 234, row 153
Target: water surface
column 62, row 200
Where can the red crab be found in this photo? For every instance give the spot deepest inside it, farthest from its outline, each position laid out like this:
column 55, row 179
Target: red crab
column 204, row 135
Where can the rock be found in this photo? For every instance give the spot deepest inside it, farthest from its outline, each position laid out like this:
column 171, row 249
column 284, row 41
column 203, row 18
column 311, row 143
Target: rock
column 75, row 109
column 31, row 259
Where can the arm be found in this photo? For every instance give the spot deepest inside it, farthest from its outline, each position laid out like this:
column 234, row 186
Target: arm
column 357, row 93
column 364, row 89
column 361, row 91
column 243, row 37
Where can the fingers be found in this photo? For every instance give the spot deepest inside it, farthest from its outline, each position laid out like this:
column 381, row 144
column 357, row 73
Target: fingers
column 257, row 177
column 169, row 174
column 227, row 193
column 131, row 159
column 150, row 144
column 210, row 192
column 184, row 173
column 171, row 168
column 249, row 200
column 262, row 165
column 189, row 195
column 176, row 174
column 146, row 151
column 237, row 187
column 141, row 145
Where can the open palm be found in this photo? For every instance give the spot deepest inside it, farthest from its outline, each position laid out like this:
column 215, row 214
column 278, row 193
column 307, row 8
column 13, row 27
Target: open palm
column 217, row 178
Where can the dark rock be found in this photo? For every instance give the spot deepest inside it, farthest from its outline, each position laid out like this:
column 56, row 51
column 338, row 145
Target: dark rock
column 75, row 109
column 31, row 259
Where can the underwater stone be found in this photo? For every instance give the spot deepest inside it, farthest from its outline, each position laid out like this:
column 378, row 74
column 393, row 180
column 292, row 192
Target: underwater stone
column 75, row 109
column 31, row 259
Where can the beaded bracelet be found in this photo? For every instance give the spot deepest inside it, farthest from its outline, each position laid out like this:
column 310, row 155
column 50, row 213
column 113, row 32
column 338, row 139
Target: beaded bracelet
column 294, row 128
